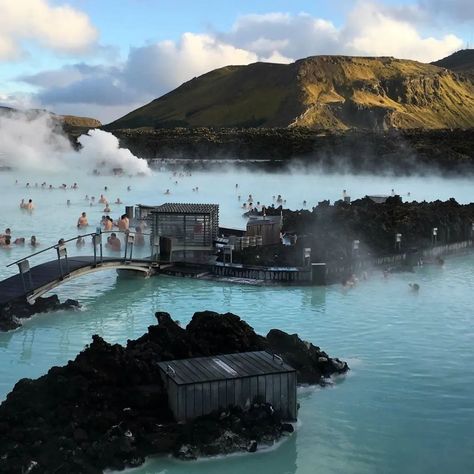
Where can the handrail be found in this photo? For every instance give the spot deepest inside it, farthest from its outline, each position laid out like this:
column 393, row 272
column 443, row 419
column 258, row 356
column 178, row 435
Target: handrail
column 55, row 246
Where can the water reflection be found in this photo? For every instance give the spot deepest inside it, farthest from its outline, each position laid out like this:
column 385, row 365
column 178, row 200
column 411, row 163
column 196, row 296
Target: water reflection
column 279, row 459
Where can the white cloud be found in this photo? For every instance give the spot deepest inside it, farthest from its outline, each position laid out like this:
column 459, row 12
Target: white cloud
column 162, row 66
column 60, row 28
column 370, row 30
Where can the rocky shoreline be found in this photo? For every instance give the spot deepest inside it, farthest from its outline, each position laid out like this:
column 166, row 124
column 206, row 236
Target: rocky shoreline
column 14, row 312
column 399, row 151
column 331, row 229
column 109, row 409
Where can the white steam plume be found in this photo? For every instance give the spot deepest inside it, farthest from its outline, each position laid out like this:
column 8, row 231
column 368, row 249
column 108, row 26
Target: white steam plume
column 36, row 142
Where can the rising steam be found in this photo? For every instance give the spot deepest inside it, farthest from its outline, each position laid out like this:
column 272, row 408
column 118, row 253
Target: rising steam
column 38, row 143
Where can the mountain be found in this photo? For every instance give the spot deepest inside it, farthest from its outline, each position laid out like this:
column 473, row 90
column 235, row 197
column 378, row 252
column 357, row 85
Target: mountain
column 461, row 61
column 321, row 92
column 70, row 122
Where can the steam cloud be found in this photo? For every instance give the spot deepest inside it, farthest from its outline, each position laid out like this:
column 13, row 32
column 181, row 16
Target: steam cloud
column 37, row 143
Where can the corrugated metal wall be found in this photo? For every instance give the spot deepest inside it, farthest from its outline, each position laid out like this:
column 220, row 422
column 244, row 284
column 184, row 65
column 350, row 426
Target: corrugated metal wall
column 192, row 400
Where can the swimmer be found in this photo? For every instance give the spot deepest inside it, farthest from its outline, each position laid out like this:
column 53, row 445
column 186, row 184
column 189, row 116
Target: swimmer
column 86, row 198
column 238, row 198
column 93, row 198
column 113, row 242
column 107, row 208
column 19, row 241
column 393, row 192
column 108, row 223
column 129, row 188
column 5, row 242
column 139, row 238
column 80, row 242
column 82, row 221
column 105, row 188
column 27, row 185
column 118, row 201
column 123, row 223
column 236, row 186
column 75, row 186
column 50, row 187
column 22, row 204
column 33, row 241
column 30, row 206
column 68, row 202
column 102, row 199
column 167, row 191
column 304, row 203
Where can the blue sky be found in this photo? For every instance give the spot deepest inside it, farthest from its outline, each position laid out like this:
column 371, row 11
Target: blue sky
column 103, row 58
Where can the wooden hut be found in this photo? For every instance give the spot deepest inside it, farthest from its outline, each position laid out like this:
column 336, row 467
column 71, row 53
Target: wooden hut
column 189, row 228
column 201, row 385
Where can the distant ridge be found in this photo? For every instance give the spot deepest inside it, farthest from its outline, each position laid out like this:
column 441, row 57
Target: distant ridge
column 71, row 121
column 320, row 92
column 461, row 61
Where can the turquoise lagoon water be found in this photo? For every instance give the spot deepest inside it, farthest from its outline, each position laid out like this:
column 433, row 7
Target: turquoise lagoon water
column 406, row 406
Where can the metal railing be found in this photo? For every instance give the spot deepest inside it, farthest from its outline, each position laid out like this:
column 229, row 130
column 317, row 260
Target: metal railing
column 62, row 254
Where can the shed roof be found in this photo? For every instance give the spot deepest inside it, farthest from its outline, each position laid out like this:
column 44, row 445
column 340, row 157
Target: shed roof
column 186, row 208
column 223, row 367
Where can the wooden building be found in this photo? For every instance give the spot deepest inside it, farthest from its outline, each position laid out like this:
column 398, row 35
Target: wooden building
column 267, row 227
column 201, row 385
column 189, row 229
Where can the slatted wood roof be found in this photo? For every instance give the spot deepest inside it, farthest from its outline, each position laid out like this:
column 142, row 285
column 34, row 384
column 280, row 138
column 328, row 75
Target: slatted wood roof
column 186, row 208
column 224, row 367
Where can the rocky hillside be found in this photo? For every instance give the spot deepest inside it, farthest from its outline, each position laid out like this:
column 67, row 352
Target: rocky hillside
column 461, row 61
column 322, row 92
column 70, row 123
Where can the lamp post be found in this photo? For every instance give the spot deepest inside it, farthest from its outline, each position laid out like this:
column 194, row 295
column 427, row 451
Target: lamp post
column 398, row 242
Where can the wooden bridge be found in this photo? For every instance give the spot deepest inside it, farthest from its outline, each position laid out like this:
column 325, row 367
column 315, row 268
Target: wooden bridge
column 32, row 282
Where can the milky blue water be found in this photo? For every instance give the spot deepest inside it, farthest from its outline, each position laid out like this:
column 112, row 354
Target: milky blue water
column 407, row 405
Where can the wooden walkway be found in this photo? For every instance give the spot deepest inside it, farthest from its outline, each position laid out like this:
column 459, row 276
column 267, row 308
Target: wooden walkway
column 48, row 275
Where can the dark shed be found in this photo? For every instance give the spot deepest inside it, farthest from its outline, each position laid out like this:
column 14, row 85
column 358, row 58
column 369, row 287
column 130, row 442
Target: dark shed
column 201, row 385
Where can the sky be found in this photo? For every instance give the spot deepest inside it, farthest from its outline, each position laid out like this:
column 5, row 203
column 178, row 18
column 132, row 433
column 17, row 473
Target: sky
column 104, row 58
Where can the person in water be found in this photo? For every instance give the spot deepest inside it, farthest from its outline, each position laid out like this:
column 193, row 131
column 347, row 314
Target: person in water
column 102, row 199
column 30, row 206
column 139, row 237
column 80, row 242
column 123, row 223
column 118, row 201
column 113, row 242
column 19, row 241
column 82, row 221
column 107, row 208
column 5, row 242
column 33, row 241
column 108, row 223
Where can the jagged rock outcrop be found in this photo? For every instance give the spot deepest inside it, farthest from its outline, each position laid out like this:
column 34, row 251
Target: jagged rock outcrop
column 109, row 409
column 12, row 313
